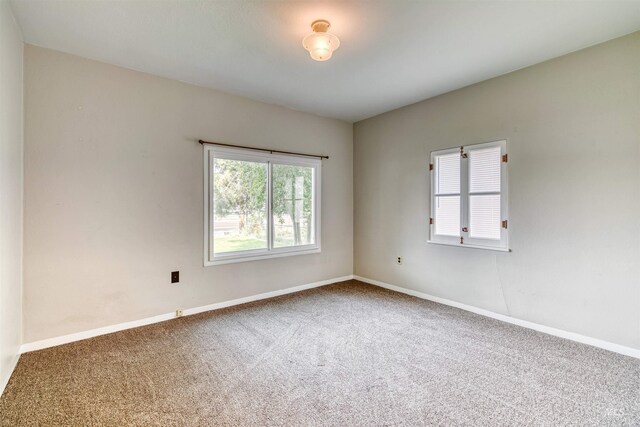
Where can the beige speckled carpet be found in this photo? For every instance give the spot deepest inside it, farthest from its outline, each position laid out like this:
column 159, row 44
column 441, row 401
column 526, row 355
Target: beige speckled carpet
column 345, row 354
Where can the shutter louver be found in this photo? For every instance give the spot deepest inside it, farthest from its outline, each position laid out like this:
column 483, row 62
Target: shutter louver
column 485, row 193
column 447, row 195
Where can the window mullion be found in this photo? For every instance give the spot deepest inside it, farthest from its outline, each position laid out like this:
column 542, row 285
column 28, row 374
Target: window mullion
column 269, row 207
column 464, row 196
column 504, row 215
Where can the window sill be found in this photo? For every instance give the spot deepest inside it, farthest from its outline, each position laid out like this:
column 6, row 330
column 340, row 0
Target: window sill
column 488, row 248
column 256, row 257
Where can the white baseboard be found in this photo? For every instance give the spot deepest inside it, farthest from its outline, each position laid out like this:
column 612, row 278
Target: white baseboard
column 617, row 348
column 5, row 380
column 78, row 336
column 51, row 342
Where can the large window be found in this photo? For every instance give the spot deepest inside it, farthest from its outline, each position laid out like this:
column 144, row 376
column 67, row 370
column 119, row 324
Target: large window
column 259, row 205
column 469, row 196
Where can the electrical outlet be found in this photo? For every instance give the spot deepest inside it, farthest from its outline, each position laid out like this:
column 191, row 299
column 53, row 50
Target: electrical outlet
column 175, row 276
column 179, row 312
column 399, row 260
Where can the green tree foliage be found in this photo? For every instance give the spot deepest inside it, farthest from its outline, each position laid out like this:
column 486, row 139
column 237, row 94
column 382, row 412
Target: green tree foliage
column 241, row 188
column 293, row 197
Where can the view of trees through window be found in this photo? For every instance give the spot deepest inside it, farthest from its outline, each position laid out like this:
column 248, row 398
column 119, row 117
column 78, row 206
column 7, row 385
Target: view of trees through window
column 292, row 205
column 240, row 205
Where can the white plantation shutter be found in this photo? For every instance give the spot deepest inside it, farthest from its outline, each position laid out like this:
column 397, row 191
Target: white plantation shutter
column 447, row 220
column 448, row 174
column 484, row 217
column 484, row 170
column 447, row 194
column 484, row 192
column 446, row 200
column 468, row 196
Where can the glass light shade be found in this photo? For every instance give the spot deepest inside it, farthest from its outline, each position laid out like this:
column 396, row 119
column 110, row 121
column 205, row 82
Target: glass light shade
column 321, row 45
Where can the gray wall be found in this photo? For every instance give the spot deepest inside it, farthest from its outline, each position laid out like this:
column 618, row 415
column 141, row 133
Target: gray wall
column 114, row 197
column 11, row 48
column 573, row 126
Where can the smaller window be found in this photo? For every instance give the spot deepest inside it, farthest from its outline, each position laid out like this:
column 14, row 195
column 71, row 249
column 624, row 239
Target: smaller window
column 469, row 196
column 259, row 205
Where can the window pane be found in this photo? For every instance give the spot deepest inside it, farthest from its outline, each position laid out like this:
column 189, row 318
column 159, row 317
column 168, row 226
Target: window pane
column 447, row 220
column 484, row 170
column 293, row 216
column 484, row 217
column 239, row 205
column 447, row 174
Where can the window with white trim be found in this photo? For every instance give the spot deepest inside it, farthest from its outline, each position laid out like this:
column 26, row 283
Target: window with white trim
column 469, row 196
column 259, row 205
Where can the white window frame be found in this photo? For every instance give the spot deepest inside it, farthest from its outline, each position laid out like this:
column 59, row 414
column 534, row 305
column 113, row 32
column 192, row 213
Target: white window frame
column 210, row 153
column 464, row 240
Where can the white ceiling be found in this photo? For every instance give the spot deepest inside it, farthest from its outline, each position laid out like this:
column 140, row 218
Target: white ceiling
column 392, row 52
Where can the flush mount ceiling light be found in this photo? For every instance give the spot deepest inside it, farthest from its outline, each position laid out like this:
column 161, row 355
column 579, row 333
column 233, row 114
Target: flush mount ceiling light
column 320, row 43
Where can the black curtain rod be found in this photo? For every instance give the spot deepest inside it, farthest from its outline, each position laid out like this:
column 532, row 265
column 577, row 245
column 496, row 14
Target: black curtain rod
column 263, row 149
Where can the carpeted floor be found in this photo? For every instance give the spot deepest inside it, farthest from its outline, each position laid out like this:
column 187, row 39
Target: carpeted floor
column 342, row 355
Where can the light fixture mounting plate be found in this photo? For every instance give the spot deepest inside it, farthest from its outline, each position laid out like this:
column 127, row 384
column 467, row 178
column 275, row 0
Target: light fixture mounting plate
column 320, row 25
